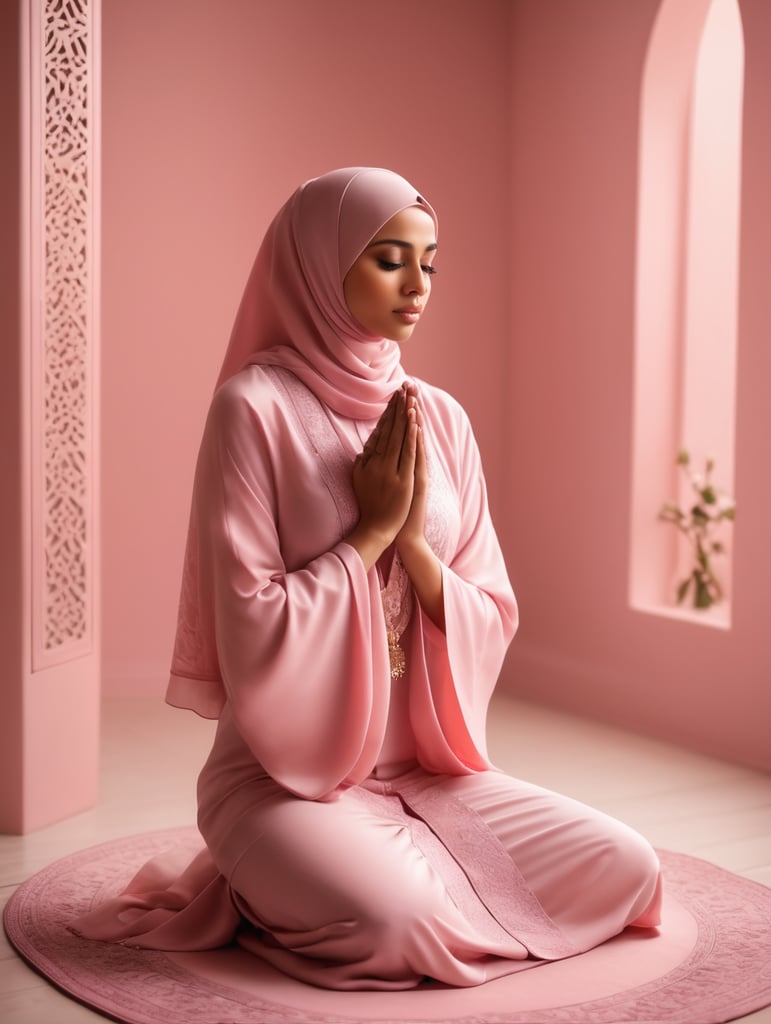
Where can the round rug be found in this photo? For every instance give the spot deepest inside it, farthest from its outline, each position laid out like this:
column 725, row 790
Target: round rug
column 710, row 962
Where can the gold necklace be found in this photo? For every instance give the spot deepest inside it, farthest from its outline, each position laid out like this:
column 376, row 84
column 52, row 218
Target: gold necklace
column 396, row 598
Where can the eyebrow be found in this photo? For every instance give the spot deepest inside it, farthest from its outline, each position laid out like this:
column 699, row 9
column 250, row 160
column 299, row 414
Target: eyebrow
column 400, row 244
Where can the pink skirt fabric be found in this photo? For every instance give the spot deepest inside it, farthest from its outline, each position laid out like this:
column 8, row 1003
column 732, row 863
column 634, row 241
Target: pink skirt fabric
column 457, row 879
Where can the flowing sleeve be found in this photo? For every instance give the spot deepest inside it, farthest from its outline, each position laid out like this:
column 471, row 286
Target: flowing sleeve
column 298, row 639
column 455, row 670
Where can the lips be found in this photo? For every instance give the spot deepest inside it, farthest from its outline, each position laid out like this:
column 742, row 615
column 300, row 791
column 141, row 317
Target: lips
column 410, row 314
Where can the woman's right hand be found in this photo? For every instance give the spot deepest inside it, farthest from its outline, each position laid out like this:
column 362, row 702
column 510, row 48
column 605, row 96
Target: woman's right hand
column 384, row 478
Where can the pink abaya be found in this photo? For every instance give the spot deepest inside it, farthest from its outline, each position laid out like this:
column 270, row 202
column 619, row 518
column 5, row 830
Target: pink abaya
column 356, row 834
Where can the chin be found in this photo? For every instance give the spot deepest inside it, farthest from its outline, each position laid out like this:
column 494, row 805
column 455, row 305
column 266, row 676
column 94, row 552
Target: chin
column 404, row 336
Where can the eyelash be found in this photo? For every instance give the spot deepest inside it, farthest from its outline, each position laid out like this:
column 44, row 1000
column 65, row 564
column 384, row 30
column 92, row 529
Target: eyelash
column 387, row 265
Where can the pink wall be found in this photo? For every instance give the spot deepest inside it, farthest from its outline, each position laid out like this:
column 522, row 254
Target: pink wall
column 575, row 85
column 212, row 113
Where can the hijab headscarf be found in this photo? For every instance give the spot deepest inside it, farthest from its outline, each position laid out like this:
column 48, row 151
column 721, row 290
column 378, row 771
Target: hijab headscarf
column 293, row 312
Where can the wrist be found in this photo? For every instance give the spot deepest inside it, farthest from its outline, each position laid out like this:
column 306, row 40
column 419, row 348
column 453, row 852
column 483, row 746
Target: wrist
column 417, row 556
column 369, row 542
column 413, row 545
column 426, row 575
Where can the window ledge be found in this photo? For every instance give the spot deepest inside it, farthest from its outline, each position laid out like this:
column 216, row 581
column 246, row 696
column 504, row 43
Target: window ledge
column 716, row 617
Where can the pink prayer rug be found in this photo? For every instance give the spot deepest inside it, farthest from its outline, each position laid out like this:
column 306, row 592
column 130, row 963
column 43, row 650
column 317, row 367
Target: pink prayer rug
column 710, row 962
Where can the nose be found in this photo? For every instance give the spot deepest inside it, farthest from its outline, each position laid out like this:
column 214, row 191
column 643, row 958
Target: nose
column 416, row 282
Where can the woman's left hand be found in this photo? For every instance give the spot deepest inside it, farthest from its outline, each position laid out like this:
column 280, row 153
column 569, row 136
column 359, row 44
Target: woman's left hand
column 420, row 562
column 413, row 530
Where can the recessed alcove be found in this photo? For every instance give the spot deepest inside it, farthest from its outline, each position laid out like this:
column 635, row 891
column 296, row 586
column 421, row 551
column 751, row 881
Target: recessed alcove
column 686, row 319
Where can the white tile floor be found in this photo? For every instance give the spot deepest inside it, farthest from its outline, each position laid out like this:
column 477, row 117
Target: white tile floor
column 151, row 754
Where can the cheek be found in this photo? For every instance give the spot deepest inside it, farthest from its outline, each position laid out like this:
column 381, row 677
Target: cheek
column 357, row 288
column 372, row 291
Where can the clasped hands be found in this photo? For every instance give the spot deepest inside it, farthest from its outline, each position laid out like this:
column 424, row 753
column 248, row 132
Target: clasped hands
column 390, row 479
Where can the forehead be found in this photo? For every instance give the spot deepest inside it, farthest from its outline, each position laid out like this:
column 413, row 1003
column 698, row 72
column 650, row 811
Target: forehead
column 413, row 224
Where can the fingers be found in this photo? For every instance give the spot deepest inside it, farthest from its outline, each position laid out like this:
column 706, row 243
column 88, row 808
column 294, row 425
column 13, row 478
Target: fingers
column 421, row 440
column 388, row 427
column 394, row 435
column 409, row 425
column 380, row 441
column 398, row 432
column 389, row 476
column 413, row 419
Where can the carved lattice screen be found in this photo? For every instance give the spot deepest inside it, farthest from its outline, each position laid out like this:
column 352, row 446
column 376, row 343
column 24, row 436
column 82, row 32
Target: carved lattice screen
column 62, row 265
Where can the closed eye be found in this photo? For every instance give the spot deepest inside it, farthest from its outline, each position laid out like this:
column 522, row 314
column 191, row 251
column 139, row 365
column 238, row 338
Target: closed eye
column 388, row 265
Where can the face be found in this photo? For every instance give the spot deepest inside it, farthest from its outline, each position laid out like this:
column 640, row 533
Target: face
column 388, row 286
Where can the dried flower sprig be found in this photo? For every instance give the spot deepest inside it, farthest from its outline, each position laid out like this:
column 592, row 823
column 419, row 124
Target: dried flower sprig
column 699, row 524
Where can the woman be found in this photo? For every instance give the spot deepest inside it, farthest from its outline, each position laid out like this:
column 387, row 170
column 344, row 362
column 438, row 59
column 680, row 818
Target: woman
column 345, row 611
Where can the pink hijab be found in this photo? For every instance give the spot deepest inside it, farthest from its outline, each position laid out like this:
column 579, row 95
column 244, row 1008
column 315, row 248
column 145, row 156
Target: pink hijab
column 293, row 311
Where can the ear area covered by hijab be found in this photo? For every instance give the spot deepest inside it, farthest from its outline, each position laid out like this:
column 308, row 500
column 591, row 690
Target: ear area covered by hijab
column 293, row 312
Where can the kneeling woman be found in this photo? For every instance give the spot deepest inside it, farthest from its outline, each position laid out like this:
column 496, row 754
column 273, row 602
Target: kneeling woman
column 345, row 611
